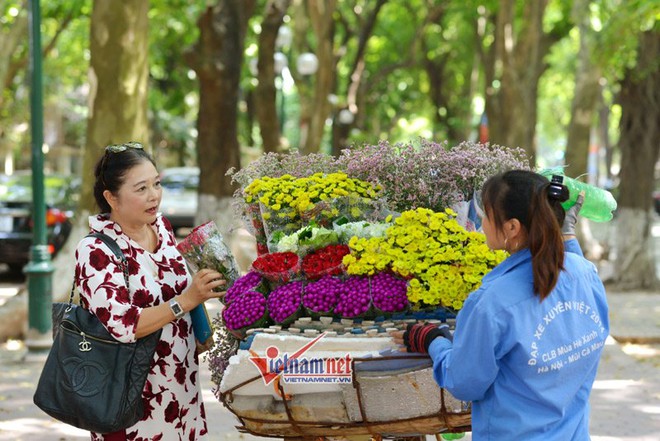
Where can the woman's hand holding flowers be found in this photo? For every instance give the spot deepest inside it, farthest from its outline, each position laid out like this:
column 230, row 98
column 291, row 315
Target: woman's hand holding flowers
column 202, row 289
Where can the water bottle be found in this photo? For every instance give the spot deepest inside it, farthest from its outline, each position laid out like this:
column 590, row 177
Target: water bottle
column 598, row 203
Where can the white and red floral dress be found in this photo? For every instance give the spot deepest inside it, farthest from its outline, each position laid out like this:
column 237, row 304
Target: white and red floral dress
column 173, row 406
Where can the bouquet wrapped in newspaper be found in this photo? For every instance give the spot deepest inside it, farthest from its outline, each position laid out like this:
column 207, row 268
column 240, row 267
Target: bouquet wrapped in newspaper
column 205, row 248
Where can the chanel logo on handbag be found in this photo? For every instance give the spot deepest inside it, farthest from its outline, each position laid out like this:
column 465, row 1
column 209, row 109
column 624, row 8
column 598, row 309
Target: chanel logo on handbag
column 84, row 345
column 79, row 377
column 98, row 390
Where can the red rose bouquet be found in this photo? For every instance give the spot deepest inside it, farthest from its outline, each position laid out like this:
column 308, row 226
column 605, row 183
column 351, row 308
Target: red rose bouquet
column 277, row 267
column 205, row 248
column 325, row 261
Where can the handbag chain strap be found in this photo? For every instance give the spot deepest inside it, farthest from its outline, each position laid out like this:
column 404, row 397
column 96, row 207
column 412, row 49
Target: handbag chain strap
column 114, row 247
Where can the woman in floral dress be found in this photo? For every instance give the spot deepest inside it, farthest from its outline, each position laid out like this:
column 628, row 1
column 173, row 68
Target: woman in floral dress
column 159, row 296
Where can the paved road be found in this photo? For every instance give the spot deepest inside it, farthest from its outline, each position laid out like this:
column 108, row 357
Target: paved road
column 625, row 399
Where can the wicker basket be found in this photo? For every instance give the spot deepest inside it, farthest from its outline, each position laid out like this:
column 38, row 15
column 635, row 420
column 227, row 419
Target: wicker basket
column 416, row 406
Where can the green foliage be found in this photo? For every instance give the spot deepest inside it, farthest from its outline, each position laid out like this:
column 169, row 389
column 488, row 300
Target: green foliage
column 65, row 27
column 554, row 114
column 394, row 98
column 173, row 85
column 618, row 23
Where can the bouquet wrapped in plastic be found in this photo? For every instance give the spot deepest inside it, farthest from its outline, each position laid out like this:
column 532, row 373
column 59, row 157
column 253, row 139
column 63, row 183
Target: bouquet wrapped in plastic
column 321, row 296
column 255, row 225
column 252, row 281
column 279, row 220
column 277, row 267
column 325, row 261
column 305, row 240
column 245, row 311
column 204, row 248
column 284, row 303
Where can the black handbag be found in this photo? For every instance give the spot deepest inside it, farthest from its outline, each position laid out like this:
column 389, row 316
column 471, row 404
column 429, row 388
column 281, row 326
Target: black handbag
column 90, row 380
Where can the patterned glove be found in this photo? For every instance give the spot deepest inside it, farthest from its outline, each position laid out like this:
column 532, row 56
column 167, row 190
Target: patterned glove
column 418, row 338
column 568, row 227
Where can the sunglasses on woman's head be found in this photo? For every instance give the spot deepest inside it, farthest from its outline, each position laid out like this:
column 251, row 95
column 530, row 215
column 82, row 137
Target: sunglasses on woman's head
column 118, row 148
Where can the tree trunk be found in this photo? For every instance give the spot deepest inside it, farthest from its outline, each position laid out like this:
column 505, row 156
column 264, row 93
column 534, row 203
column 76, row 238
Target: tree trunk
column 640, row 131
column 266, row 93
column 355, row 85
column 583, row 108
column 513, row 66
column 585, row 97
column 604, row 135
column 11, row 40
column 320, row 13
column 117, row 110
column 217, row 58
column 119, row 75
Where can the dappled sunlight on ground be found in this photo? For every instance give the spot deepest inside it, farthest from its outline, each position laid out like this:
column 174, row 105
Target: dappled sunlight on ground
column 643, row 351
column 23, row 428
column 624, row 394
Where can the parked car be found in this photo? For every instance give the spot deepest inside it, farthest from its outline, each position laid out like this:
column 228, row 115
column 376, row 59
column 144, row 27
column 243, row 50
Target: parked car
column 61, row 196
column 179, row 203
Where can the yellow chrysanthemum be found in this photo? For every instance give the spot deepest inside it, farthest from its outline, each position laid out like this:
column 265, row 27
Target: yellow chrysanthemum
column 445, row 262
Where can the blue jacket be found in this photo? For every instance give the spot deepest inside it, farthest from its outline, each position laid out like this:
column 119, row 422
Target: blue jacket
column 527, row 366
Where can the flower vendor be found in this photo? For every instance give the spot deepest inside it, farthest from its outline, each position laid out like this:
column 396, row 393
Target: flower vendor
column 528, row 341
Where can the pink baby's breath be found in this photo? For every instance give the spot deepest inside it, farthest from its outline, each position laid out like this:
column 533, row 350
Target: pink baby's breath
column 429, row 174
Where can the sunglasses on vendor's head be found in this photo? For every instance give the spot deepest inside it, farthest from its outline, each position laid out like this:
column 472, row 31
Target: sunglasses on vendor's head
column 118, row 148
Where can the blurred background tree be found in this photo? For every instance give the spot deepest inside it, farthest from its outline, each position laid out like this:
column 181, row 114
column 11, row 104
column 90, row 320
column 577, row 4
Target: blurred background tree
column 573, row 82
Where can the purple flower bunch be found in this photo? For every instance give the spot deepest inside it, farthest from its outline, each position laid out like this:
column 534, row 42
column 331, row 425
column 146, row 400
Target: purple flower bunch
column 284, row 301
column 388, row 292
column 226, row 345
column 245, row 310
column 322, row 295
column 246, row 282
column 428, row 174
column 354, row 299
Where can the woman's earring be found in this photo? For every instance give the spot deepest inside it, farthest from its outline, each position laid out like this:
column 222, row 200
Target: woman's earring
column 505, row 241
